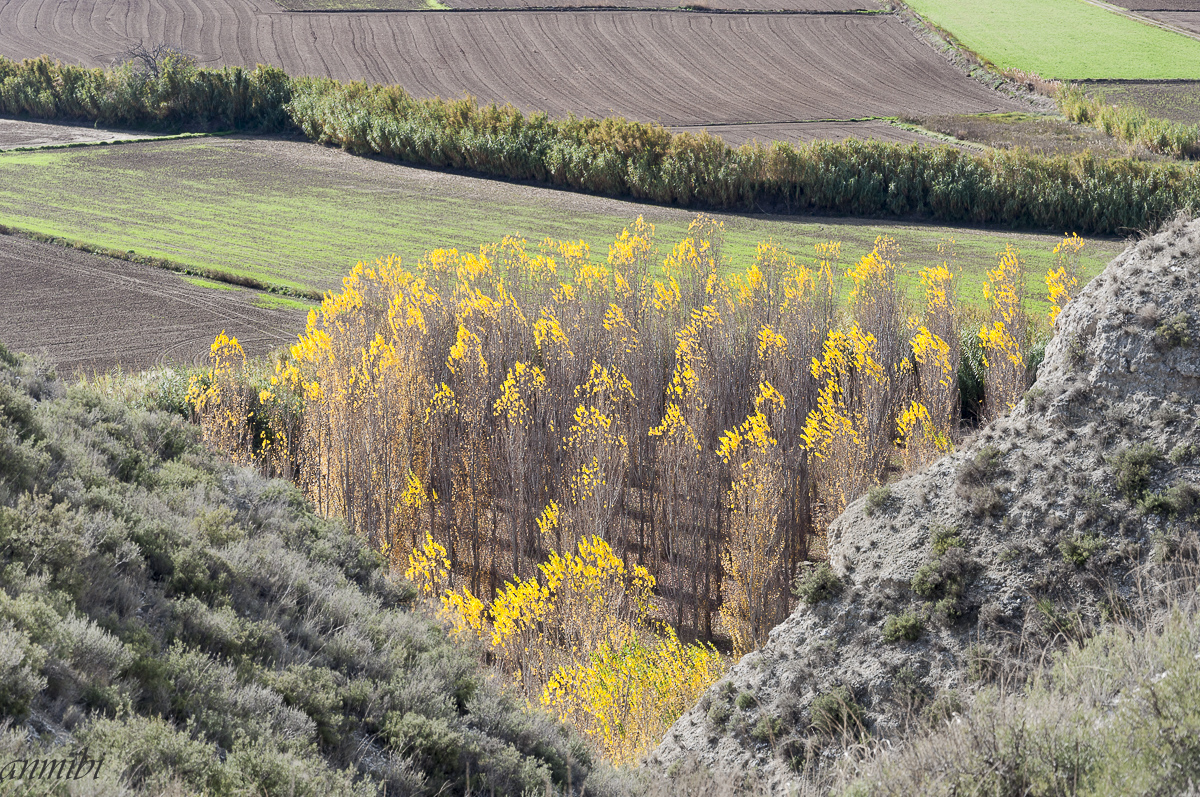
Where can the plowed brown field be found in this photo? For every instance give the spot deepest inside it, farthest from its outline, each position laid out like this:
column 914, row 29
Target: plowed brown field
column 91, row 313
column 800, row 6
column 672, row 67
column 1159, row 5
column 1188, row 20
column 15, row 133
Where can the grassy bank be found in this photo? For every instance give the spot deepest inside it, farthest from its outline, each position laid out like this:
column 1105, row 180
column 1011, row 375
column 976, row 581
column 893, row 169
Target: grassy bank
column 1117, row 714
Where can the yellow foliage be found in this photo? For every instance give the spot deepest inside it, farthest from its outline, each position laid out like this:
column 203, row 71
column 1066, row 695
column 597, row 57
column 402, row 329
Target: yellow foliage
column 428, row 568
column 579, row 640
column 629, row 692
column 1062, row 281
column 771, row 342
column 529, row 423
column 675, row 428
column 835, row 430
column 1003, row 336
column 523, row 381
column 920, row 436
column 634, row 249
column 549, row 336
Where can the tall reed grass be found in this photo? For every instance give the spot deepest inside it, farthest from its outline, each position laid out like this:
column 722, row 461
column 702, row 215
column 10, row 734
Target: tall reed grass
column 617, row 157
column 1130, row 124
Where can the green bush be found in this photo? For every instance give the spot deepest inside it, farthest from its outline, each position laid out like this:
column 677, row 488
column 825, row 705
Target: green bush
column 1174, row 331
column 1183, row 454
column 767, row 729
column 20, row 673
column 818, row 584
column 907, row 626
column 944, row 539
column 1132, row 468
column 719, row 713
column 944, row 580
column 877, row 498
column 971, row 373
column 1178, row 501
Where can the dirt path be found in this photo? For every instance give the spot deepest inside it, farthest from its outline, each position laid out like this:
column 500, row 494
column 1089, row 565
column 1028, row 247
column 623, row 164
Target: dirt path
column 91, row 313
column 680, row 69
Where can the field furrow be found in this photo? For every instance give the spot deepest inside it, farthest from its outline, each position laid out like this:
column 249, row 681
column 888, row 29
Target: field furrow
column 91, row 313
column 19, row 133
column 793, row 6
column 1159, row 5
column 675, row 68
column 1188, row 20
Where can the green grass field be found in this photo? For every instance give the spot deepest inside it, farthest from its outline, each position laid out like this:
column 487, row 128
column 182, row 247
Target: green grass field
column 300, row 216
column 1067, row 39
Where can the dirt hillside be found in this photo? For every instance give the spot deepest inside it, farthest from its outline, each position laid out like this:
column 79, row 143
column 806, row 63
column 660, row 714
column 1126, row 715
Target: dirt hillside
column 1041, row 526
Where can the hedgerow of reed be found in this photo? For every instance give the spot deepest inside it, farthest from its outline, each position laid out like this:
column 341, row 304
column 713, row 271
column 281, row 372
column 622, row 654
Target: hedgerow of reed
column 1129, row 123
column 866, row 178
column 178, row 94
column 616, row 157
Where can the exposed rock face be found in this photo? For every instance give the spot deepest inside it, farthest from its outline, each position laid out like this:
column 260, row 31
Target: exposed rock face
column 1038, row 526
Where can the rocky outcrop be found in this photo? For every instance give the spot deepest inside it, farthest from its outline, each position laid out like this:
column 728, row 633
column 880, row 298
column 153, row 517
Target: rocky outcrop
column 1043, row 524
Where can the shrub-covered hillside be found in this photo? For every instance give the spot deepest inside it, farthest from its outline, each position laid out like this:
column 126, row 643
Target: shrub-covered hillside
column 203, row 631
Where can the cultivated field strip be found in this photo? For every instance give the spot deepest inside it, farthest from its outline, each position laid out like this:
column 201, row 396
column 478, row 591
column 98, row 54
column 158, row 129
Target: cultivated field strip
column 1188, row 20
column 675, row 68
column 1158, row 5
column 791, row 6
column 290, row 213
column 15, row 133
column 91, row 313
column 874, row 130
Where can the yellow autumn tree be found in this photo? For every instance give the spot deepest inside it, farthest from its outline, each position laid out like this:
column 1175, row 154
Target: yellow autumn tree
column 1062, row 281
column 1004, row 335
column 498, row 416
column 752, row 592
column 580, row 640
column 926, row 424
